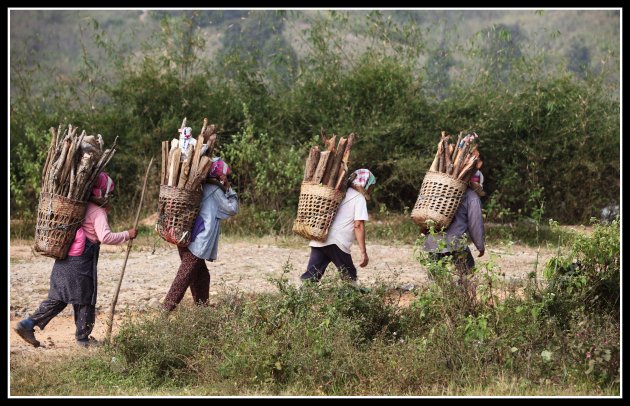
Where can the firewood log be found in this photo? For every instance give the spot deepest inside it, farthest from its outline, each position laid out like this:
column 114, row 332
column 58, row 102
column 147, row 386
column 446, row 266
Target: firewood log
column 343, row 169
column 171, row 153
column 468, row 170
column 202, row 171
column 441, row 158
column 321, row 166
column 447, row 157
column 60, row 135
column 434, row 166
column 458, row 155
column 330, row 143
column 203, row 127
column 59, row 165
column 456, row 147
column 72, row 181
column 212, row 140
column 330, row 146
column 334, row 173
column 173, row 170
column 461, row 155
column 311, row 164
column 196, row 155
column 71, row 162
column 67, row 167
column 183, row 177
column 164, row 162
column 83, row 172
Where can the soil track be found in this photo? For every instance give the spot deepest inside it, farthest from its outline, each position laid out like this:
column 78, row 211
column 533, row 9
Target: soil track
column 246, row 266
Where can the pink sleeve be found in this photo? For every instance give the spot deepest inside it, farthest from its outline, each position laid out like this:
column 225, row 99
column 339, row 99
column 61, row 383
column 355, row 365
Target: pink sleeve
column 104, row 234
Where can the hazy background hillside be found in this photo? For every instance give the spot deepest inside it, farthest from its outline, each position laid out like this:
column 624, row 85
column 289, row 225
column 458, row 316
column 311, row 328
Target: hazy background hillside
column 581, row 39
column 540, row 87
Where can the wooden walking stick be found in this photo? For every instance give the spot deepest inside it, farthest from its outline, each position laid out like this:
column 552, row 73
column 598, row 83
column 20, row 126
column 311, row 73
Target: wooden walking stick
column 122, row 273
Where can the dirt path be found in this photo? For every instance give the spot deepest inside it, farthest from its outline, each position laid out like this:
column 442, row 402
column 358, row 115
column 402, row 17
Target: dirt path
column 246, row 266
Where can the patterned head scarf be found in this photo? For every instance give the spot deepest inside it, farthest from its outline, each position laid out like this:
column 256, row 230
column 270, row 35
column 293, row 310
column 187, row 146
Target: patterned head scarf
column 477, row 177
column 364, row 178
column 103, row 187
column 219, row 167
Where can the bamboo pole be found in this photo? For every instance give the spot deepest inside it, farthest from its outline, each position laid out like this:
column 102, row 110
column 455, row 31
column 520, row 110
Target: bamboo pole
column 122, row 273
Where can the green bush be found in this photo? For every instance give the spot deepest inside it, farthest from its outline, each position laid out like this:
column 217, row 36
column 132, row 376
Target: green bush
column 549, row 139
column 587, row 280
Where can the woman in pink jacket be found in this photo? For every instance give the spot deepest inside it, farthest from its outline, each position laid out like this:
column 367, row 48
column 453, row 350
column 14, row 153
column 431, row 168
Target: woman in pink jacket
column 74, row 279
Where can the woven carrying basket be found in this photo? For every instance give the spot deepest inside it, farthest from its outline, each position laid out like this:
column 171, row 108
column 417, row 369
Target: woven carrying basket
column 438, row 200
column 177, row 210
column 58, row 219
column 317, row 207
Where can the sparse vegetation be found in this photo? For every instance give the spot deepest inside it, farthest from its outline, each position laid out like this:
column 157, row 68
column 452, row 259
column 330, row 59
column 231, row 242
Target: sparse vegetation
column 334, row 339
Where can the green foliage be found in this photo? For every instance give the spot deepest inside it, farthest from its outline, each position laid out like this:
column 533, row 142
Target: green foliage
column 26, row 171
column 550, row 140
column 268, row 173
column 587, row 280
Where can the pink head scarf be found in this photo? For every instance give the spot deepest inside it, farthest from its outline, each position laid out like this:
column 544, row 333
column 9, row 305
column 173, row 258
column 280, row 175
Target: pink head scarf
column 103, row 187
column 219, row 167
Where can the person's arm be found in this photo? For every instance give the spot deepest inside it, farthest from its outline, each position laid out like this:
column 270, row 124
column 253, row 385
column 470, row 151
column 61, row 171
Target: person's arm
column 227, row 202
column 106, row 236
column 359, row 233
column 475, row 225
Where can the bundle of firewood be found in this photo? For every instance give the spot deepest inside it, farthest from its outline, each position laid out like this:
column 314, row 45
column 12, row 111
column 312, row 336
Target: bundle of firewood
column 189, row 172
column 456, row 160
column 73, row 162
column 330, row 166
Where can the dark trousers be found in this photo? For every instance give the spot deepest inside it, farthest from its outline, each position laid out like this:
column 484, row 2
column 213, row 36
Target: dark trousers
column 463, row 260
column 322, row 256
column 84, row 316
column 192, row 273
column 464, row 264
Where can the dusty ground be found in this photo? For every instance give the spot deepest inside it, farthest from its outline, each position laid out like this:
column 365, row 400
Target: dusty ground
column 241, row 265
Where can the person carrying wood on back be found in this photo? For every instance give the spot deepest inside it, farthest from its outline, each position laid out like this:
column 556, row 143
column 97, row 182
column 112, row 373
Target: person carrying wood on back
column 453, row 242
column 349, row 223
column 74, row 279
column 219, row 202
